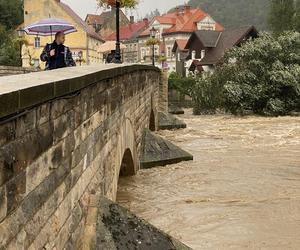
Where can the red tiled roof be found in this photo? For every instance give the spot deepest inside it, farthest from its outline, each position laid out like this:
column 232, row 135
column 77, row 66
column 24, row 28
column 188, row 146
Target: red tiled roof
column 94, row 19
column 182, row 22
column 130, row 31
column 179, row 43
column 79, row 21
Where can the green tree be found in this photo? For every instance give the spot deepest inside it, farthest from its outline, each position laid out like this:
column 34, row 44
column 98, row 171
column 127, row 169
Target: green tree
column 265, row 78
column 123, row 3
column 11, row 13
column 297, row 16
column 281, row 15
column 262, row 76
column 11, row 16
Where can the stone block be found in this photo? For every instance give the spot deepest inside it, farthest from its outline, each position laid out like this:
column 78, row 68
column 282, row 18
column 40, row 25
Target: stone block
column 18, row 154
column 7, row 132
column 26, row 123
column 36, row 95
column 43, row 113
column 9, row 104
column 157, row 151
column 61, row 106
column 63, row 126
column 15, row 191
column 117, row 228
column 3, row 203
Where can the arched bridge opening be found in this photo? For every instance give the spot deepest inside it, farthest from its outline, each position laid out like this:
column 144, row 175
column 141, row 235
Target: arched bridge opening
column 152, row 126
column 127, row 165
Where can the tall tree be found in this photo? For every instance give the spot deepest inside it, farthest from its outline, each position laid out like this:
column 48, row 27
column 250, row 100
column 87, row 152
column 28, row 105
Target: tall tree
column 11, row 13
column 281, row 15
column 297, row 16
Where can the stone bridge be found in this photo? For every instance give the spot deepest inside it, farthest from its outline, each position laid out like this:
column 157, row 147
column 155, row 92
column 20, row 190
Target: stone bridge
column 66, row 135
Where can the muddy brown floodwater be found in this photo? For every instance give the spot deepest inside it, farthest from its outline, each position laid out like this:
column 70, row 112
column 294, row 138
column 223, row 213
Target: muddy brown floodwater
column 242, row 191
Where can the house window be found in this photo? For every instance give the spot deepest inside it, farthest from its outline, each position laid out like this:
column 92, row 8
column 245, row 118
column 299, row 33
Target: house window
column 169, row 54
column 143, row 54
column 37, row 42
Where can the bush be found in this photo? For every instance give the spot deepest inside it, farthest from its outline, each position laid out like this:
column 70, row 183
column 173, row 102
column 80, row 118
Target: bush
column 204, row 92
column 261, row 77
column 265, row 77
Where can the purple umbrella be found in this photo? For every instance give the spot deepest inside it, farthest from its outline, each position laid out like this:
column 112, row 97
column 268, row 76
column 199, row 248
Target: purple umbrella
column 50, row 26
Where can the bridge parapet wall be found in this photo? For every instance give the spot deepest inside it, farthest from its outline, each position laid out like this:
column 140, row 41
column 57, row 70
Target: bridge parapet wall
column 63, row 135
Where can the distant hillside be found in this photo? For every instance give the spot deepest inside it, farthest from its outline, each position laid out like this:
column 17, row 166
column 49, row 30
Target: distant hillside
column 236, row 13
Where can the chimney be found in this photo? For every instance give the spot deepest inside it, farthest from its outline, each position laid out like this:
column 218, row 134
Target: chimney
column 177, row 11
column 193, row 54
column 187, row 8
column 202, row 54
column 146, row 21
column 131, row 19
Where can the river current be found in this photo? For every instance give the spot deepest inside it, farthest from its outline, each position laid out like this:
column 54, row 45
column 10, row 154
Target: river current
column 242, row 191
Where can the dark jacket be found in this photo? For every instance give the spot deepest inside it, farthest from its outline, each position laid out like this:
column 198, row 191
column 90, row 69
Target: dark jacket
column 62, row 58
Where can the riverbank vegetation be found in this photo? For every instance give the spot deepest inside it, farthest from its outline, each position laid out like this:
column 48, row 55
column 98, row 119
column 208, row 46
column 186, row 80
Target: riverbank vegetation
column 261, row 77
column 11, row 16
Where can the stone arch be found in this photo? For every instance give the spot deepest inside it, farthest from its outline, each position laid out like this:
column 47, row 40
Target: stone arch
column 152, row 124
column 125, row 161
column 127, row 164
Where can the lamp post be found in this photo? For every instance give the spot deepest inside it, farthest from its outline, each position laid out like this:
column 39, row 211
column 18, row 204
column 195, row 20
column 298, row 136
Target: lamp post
column 80, row 54
column 21, row 34
column 117, row 57
column 162, row 62
column 153, row 34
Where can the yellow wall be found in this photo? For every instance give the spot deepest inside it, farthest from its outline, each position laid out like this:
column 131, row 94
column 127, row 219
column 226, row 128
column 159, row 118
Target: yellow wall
column 36, row 10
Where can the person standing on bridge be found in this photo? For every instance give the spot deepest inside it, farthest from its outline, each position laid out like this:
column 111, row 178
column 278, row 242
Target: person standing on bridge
column 57, row 55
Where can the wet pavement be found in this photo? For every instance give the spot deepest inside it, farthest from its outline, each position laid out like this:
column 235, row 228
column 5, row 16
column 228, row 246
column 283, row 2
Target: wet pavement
column 242, row 191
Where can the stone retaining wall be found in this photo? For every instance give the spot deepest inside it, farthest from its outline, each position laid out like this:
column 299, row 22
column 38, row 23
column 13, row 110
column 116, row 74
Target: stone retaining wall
column 63, row 135
column 9, row 70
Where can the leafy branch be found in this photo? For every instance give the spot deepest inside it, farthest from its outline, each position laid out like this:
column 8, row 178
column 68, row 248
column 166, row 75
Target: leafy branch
column 123, row 3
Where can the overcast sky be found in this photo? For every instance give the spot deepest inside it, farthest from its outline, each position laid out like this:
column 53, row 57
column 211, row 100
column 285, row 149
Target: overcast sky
column 82, row 7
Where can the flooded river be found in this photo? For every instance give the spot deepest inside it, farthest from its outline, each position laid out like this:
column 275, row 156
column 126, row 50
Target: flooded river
column 242, row 191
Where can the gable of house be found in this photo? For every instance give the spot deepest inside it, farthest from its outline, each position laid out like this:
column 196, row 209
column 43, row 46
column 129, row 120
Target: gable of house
column 216, row 43
column 90, row 32
column 185, row 21
column 105, row 23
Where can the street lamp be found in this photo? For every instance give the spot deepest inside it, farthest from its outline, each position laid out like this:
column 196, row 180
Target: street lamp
column 153, row 35
column 80, row 54
column 117, row 58
column 21, row 34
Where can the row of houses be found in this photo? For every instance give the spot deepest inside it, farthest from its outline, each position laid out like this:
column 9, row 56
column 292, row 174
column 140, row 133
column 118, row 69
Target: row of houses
column 190, row 39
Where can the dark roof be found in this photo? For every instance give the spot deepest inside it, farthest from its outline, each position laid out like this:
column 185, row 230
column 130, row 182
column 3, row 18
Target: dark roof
column 80, row 22
column 209, row 38
column 226, row 40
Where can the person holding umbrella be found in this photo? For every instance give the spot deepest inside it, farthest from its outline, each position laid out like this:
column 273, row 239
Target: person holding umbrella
column 57, row 55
